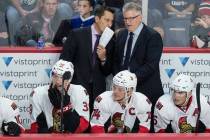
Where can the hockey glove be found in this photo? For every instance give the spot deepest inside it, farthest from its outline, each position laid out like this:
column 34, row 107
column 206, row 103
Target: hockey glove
column 11, row 129
column 55, row 97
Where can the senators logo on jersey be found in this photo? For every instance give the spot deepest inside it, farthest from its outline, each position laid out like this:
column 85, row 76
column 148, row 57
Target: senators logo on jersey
column 117, row 120
column 184, row 126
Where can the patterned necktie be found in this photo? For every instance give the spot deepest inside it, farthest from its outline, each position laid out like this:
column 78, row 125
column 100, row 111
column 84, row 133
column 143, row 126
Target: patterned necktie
column 128, row 51
column 95, row 48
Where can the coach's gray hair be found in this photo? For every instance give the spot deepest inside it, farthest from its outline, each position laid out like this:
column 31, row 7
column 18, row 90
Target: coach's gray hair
column 132, row 6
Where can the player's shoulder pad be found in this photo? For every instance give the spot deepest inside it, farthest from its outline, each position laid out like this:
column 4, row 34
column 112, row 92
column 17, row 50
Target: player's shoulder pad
column 41, row 89
column 204, row 102
column 6, row 103
column 39, row 93
column 76, row 87
column 105, row 97
column 104, row 101
column 78, row 91
column 141, row 97
column 141, row 101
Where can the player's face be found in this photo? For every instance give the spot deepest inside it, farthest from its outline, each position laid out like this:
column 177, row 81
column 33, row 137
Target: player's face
column 50, row 7
column 179, row 98
column 118, row 93
column 132, row 19
column 104, row 21
column 57, row 82
column 84, row 8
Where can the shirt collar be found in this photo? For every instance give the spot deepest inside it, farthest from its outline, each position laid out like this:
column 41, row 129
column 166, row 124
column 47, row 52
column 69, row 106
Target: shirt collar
column 85, row 19
column 46, row 19
column 138, row 30
column 94, row 32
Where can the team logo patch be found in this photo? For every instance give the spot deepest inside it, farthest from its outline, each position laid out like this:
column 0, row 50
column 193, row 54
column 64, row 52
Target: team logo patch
column 159, row 105
column 56, row 120
column 184, row 126
column 14, row 106
column 117, row 120
column 98, row 99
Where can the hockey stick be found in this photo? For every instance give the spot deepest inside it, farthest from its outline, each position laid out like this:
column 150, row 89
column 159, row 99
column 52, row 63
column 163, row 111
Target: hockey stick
column 199, row 106
column 61, row 119
column 66, row 76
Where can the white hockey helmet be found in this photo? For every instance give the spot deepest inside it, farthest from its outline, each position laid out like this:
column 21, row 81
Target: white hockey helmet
column 183, row 83
column 63, row 66
column 125, row 79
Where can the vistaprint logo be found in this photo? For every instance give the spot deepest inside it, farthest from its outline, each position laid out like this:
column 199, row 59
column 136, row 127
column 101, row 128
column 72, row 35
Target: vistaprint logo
column 26, row 61
column 183, row 60
column 48, row 71
column 7, row 60
column 170, row 72
column 6, row 84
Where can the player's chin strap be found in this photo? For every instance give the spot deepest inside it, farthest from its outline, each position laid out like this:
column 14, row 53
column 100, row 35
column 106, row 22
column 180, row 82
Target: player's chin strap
column 186, row 100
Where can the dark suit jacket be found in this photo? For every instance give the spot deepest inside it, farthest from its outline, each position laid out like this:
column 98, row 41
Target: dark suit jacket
column 67, row 25
column 144, row 61
column 62, row 32
column 78, row 50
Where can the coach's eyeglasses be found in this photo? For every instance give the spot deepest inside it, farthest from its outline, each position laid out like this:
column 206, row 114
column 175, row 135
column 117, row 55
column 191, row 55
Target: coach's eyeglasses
column 130, row 19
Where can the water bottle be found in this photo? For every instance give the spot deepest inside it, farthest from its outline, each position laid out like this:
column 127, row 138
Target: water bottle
column 41, row 42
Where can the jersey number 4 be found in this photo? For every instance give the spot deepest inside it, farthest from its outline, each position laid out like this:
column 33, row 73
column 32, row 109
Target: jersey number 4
column 96, row 113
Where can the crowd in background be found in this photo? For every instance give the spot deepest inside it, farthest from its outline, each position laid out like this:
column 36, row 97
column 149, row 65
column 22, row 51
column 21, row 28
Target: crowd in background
column 177, row 21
